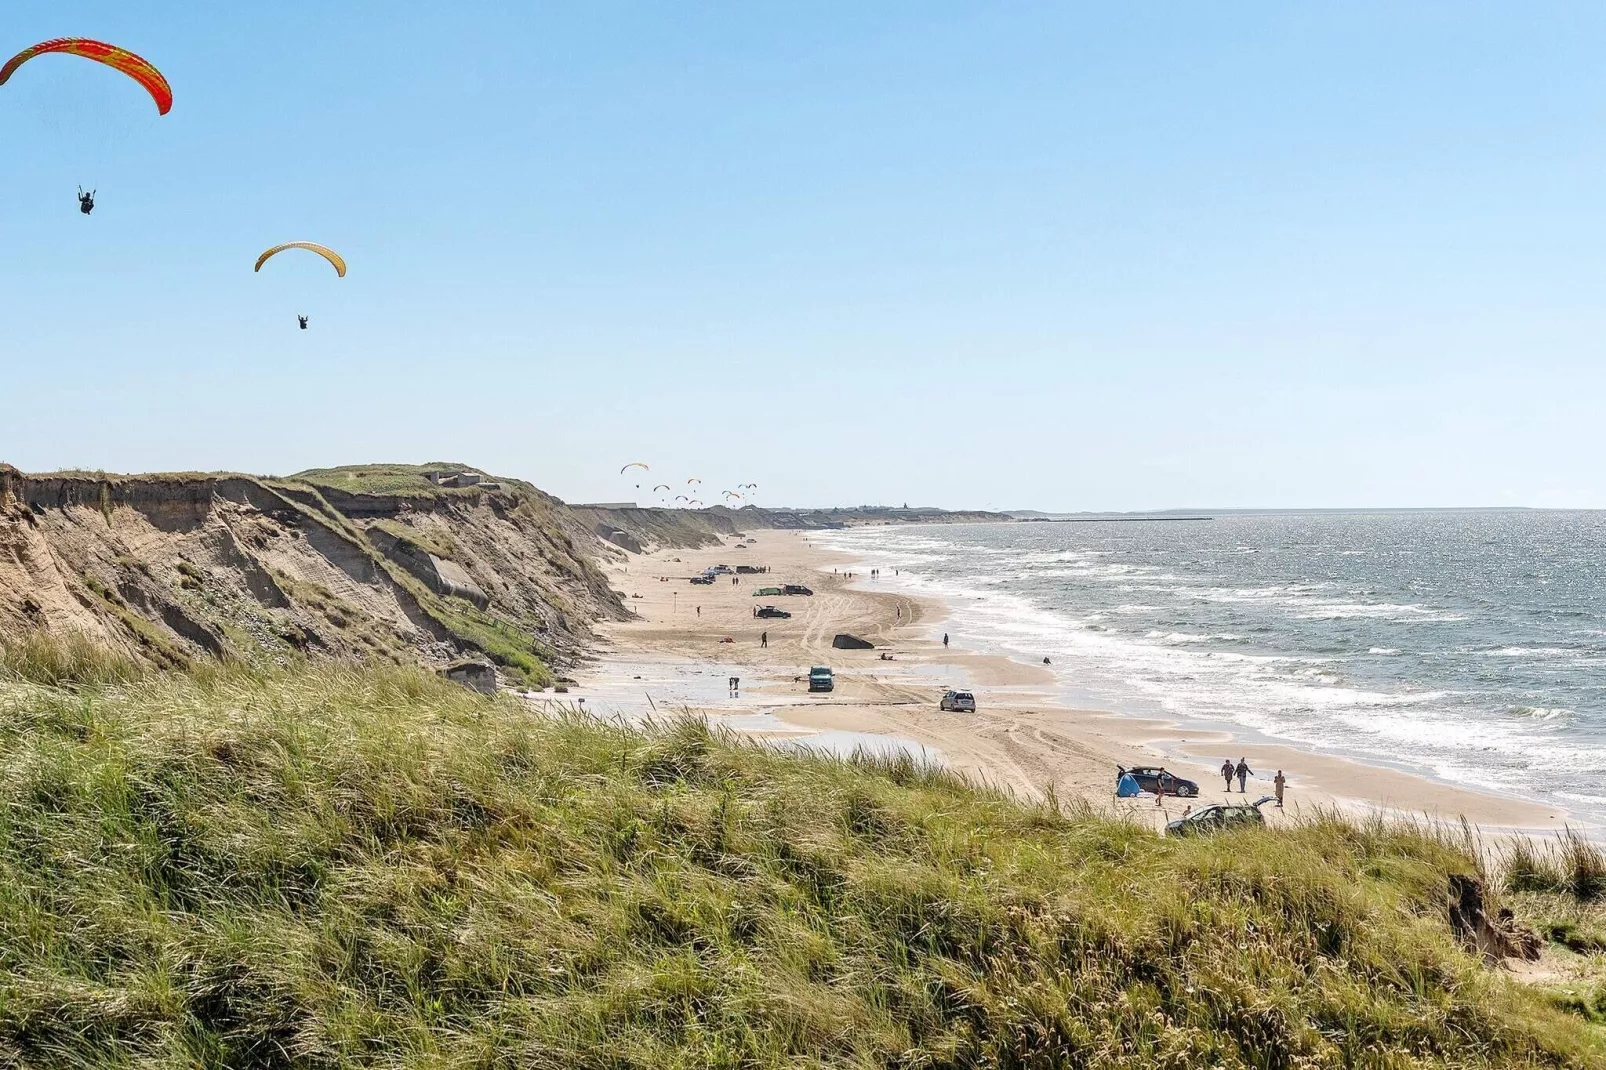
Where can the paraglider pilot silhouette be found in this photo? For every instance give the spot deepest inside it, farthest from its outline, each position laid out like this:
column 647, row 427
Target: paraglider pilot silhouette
column 303, row 321
column 86, row 201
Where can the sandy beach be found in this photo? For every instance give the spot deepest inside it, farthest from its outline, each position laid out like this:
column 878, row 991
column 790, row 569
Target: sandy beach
column 688, row 640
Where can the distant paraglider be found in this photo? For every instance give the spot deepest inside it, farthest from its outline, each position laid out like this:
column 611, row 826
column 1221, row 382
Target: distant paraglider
column 692, row 480
column 121, row 59
column 659, row 487
column 86, row 201
column 634, row 464
column 336, row 261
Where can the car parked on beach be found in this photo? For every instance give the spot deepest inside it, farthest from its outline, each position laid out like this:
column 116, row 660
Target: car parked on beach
column 771, row 611
column 795, row 588
column 1148, row 778
column 702, row 579
column 958, row 702
column 1219, row 816
column 820, row 679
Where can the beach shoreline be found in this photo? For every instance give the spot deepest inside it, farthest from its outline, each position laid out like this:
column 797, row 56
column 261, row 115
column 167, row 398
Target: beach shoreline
column 687, row 641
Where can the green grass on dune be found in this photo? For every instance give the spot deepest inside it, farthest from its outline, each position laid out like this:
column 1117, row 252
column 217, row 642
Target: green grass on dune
column 399, row 479
column 334, row 866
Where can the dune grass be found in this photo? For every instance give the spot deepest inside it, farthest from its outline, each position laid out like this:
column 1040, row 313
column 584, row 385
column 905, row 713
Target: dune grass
column 400, row 479
column 72, row 660
column 337, row 866
column 1571, row 865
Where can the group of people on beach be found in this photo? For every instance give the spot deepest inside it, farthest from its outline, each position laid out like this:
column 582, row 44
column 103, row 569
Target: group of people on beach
column 1128, row 786
column 1243, row 773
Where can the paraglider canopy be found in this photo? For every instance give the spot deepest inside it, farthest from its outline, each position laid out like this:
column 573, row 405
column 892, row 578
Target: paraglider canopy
column 634, row 464
column 334, row 258
column 121, row 59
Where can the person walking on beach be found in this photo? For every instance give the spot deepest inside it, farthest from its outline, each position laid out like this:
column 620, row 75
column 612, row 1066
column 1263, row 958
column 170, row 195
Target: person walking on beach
column 1244, row 773
column 1159, row 787
column 1226, row 771
column 945, row 640
column 1278, row 783
column 699, row 611
column 764, row 640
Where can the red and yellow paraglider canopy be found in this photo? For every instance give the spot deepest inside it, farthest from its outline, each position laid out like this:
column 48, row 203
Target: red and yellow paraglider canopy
column 121, row 59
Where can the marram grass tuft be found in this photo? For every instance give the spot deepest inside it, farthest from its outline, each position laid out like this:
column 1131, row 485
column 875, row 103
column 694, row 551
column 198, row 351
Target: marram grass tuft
column 334, row 866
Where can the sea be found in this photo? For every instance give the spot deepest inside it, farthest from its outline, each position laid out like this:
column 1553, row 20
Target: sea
column 1466, row 646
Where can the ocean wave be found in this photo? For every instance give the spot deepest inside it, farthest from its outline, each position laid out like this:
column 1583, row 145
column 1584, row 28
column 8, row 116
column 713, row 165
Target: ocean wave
column 1386, row 611
column 1531, row 652
column 1192, row 637
column 1205, row 633
column 1541, row 713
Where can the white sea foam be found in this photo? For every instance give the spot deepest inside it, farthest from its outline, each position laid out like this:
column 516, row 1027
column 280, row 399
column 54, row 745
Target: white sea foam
column 1531, row 652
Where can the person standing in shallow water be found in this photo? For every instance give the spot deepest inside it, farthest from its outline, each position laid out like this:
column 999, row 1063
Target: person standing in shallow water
column 1226, row 772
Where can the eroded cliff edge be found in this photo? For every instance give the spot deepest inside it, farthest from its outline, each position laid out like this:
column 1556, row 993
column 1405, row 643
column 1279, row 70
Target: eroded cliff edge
column 354, row 562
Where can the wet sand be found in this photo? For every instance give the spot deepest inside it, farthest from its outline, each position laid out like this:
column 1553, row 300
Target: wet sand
column 675, row 657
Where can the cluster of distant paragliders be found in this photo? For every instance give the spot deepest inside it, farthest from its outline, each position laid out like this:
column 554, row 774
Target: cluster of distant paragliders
column 663, row 490
column 155, row 83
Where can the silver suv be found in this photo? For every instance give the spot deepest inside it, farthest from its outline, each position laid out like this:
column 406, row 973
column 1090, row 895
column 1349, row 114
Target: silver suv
column 958, row 702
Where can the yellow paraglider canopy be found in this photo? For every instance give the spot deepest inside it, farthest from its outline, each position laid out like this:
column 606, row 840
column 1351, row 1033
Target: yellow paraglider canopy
column 322, row 250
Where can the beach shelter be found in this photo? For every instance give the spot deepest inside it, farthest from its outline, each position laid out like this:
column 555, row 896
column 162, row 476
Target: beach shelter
column 1127, row 787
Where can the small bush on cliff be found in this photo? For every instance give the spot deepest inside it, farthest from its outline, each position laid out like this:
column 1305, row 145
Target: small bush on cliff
column 334, row 866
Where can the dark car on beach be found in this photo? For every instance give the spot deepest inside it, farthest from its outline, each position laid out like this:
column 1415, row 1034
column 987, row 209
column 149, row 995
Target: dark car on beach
column 795, row 588
column 771, row 611
column 1219, row 816
column 1148, row 778
column 702, row 579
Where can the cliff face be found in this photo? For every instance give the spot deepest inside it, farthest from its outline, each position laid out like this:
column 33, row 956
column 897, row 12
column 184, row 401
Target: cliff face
column 174, row 567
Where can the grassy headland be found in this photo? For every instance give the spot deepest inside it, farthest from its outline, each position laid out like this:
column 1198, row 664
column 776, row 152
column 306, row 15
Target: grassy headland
column 330, row 865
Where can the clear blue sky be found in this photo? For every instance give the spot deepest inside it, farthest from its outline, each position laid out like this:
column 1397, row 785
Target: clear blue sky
column 1070, row 256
